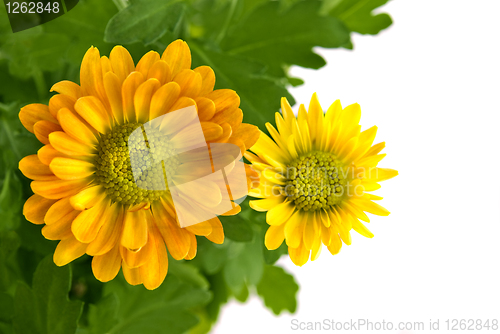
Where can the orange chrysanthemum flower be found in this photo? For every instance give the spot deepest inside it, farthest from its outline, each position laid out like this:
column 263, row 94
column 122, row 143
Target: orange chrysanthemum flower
column 86, row 193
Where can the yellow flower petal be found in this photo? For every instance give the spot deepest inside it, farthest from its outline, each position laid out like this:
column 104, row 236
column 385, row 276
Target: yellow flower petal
column 280, row 213
column 294, row 229
column 299, row 255
column 266, row 204
column 274, row 236
column 207, row 79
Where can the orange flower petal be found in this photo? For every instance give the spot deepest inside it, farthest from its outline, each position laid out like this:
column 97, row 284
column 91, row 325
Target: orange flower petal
column 121, row 62
column 154, row 271
column 67, row 88
column 146, row 62
column 190, row 82
column 105, row 267
column 43, row 129
column 207, row 79
column 160, row 71
column 33, row 113
column 135, row 229
column 68, row 250
column 76, row 127
column 130, row 85
column 59, row 101
column 36, row 207
column 71, row 169
column 113, row 88
column 69, row 146
column 178, row 56
column 93, row 111
column 33, row 168
column 142, row 99
column 59, row 188
column 86, row 226
column 163, row 99
column 206, row 108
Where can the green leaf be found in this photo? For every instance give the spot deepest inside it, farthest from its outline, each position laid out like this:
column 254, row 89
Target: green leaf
column 144, row 21
column 357, row 15
column 211, row 257
column 104, row 316
column 10, row 202
column 278, row 38
column 278, row 289
column 244, row 265
column 141, row 311
column 271, row 256
column 45, row 308
column 9, row 243
column 221, row 295
column 90, row 17
column 6, row 307
column 32, row 51
column 237, row 228
column 260, row 95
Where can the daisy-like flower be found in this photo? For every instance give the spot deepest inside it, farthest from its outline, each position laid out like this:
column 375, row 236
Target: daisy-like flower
column 315, row 178
column 90, row 192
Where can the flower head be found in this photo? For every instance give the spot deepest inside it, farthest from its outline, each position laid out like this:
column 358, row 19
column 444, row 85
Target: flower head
column 315, row 178
column 110, row 142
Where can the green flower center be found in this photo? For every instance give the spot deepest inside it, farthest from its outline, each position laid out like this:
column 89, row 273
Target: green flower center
column 144, row 180
column 315, row 181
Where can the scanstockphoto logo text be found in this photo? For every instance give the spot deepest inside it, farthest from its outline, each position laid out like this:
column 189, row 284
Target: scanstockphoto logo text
column 362, row 324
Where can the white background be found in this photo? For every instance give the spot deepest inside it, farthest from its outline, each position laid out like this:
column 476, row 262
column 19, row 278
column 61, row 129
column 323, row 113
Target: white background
column 431, row 84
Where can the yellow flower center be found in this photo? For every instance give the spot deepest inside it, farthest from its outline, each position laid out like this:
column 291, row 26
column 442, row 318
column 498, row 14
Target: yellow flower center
column 143, row 180
column 315, row 181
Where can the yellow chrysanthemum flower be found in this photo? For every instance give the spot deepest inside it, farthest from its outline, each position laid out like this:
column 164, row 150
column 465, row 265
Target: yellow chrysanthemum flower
column 315, row 176
column 85, row 192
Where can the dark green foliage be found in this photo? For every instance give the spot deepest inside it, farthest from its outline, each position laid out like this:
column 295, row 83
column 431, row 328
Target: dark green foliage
column 250, row 44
